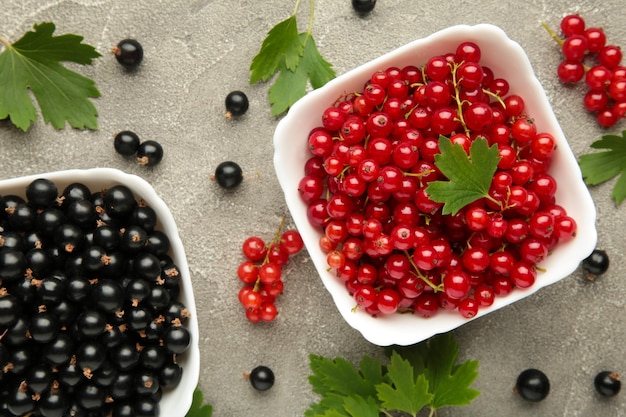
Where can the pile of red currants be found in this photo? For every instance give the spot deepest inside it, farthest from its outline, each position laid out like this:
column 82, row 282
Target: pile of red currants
column 366, row 187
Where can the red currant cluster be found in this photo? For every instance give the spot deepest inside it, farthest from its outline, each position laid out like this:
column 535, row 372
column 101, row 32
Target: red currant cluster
column 261, row 272
column 373, row 159
column 606, row 78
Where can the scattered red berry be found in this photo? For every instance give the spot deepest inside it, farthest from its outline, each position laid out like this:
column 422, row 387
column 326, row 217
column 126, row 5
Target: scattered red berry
column 606, row 95
column 261, row 272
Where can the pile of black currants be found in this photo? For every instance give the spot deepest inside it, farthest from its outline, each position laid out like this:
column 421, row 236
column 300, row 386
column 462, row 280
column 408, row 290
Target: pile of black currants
column 90, row 318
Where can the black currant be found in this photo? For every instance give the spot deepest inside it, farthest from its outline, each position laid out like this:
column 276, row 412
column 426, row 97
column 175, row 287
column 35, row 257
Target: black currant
column 119, row 201
column 51, row 291
column 90, row 355
column 108, row 295
column 60, row 350
column 17, row 334
column 44, row 327
column 363, row 6
column 107, row 237
column 532, row 385
column 144, row 217
column 153, row 357
column 228, row 175
column 39, row 377
column 596, row 264
column 158, row 243
column 23, row 217
column 48, row 220
column 126, row 143
column 129, row 53
column 74, row 191
column 147, row 266
column 82, row 213
column 10, row 310
column 134, row 239
column 607, row 383
column 176, row 339
column 90, row 396
column 146, row 382
column 125, row 356
column 12, row 265
column 52, row 403
column 20, row 401
column 145, row 407
column 42, row 192
column 236, row 104
column 170, row 375
column 69, row 238
column 262, row 378
column 149, row 153
column 91, row 323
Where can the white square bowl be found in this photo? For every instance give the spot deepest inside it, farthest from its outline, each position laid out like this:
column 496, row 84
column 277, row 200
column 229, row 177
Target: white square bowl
column 177, row 401
column 507, row 60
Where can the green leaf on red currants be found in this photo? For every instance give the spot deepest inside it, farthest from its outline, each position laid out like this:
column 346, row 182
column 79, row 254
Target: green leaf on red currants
column 598, row 167
column 469, row 176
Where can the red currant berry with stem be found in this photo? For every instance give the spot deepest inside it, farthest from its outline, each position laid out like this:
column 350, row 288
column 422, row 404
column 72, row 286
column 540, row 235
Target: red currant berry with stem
column 335, row 259
column 379, row 124
column 250, row 299
column 268, row 312
column 523, row 274
column 333, row 118
column 248, row 272
column 374, row 94
column 457, row 284
column 476, row 218
column 513, row 105
column 426, row 305
column 291, row 241
column 570, row 72
column 533, row 250
column 468, row 52
column 468, row 307
column 320, row 142
column 606, row 118
column 484, row 295
column 542, row 146
column 572, row 24
column 311, row 188
column 470, row 75
column 610, row 56
column 277, row 255
column 475, row 259
column 617, row 90
column 365, row 295
column 502, row 286
column 269, row 272
column 500, row 87
column 388, row 300
column 478, row 116
column 501, row 262
column 598, row 78
column 437, row 68
column 574, row 47
column 254, row 248
column 565, row 228
column 596, row 39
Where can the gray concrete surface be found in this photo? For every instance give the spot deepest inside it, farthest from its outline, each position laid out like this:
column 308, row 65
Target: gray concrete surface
column 196, row 51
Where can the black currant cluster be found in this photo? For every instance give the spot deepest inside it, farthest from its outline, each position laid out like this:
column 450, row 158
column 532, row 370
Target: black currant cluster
column 146, row 153
column 90, row 318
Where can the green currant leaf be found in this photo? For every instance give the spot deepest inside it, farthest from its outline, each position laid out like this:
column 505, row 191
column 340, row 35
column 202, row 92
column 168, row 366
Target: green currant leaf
column 599, row 167
column 357, row 406
column 405, row 392
column 449, row 382
column 197, row 408
column 282, row 46
column 34, row 62
column 469, row 176
column 290, row 85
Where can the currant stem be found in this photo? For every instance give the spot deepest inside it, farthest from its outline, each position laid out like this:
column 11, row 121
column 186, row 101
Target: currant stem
column 552, row 34
column 457, row 98
column 436, row 288
column 5, row 42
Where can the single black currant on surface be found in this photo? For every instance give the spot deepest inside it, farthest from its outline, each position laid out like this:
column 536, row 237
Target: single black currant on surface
column 126, row 143
column 149, row 153
column 228, row 175
column 596, row 264
column 532, row 385
column 262, row 378
column 236, row 104
column 129, row 53
column 607, row 383
column 363, row 6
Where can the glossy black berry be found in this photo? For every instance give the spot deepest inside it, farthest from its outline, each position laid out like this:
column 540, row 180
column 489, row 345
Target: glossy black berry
column 236, row 104
column 176, row 339
column 41, row 192
column 126, row 143
column 596, row 264
column 607, row 383
column 532, row 385
column 108, row 295
column 10, row 310
column 363, row 6
column 170, row 375
column 228, row 175
column 119, row 201
column 12, row 264
column 149, row 153
column 262, row 378
column 129, row 53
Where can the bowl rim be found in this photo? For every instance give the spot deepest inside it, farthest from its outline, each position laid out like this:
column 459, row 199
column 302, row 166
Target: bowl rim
column 286, row 139
column 179, row 399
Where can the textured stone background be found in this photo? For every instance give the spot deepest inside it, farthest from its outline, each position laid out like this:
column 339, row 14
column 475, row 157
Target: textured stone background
column 196, row 51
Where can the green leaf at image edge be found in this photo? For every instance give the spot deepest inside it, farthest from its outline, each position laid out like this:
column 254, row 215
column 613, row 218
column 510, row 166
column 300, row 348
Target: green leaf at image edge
column 599, row 167
column 197, row 408
column 34, row 62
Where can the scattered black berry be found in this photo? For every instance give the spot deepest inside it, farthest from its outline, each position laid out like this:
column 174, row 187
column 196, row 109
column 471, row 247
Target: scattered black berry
column 532, row 385
column 126, row 143
column 228, row 175
column 596, row 264
column 262, row 378
column 236, row 104
column 129, row 53
column 607, row 383
column 363, row 6
column 149, row 153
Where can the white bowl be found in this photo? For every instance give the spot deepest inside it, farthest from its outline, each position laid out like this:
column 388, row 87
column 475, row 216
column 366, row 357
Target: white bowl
column 507, row 60
column 175, row 402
